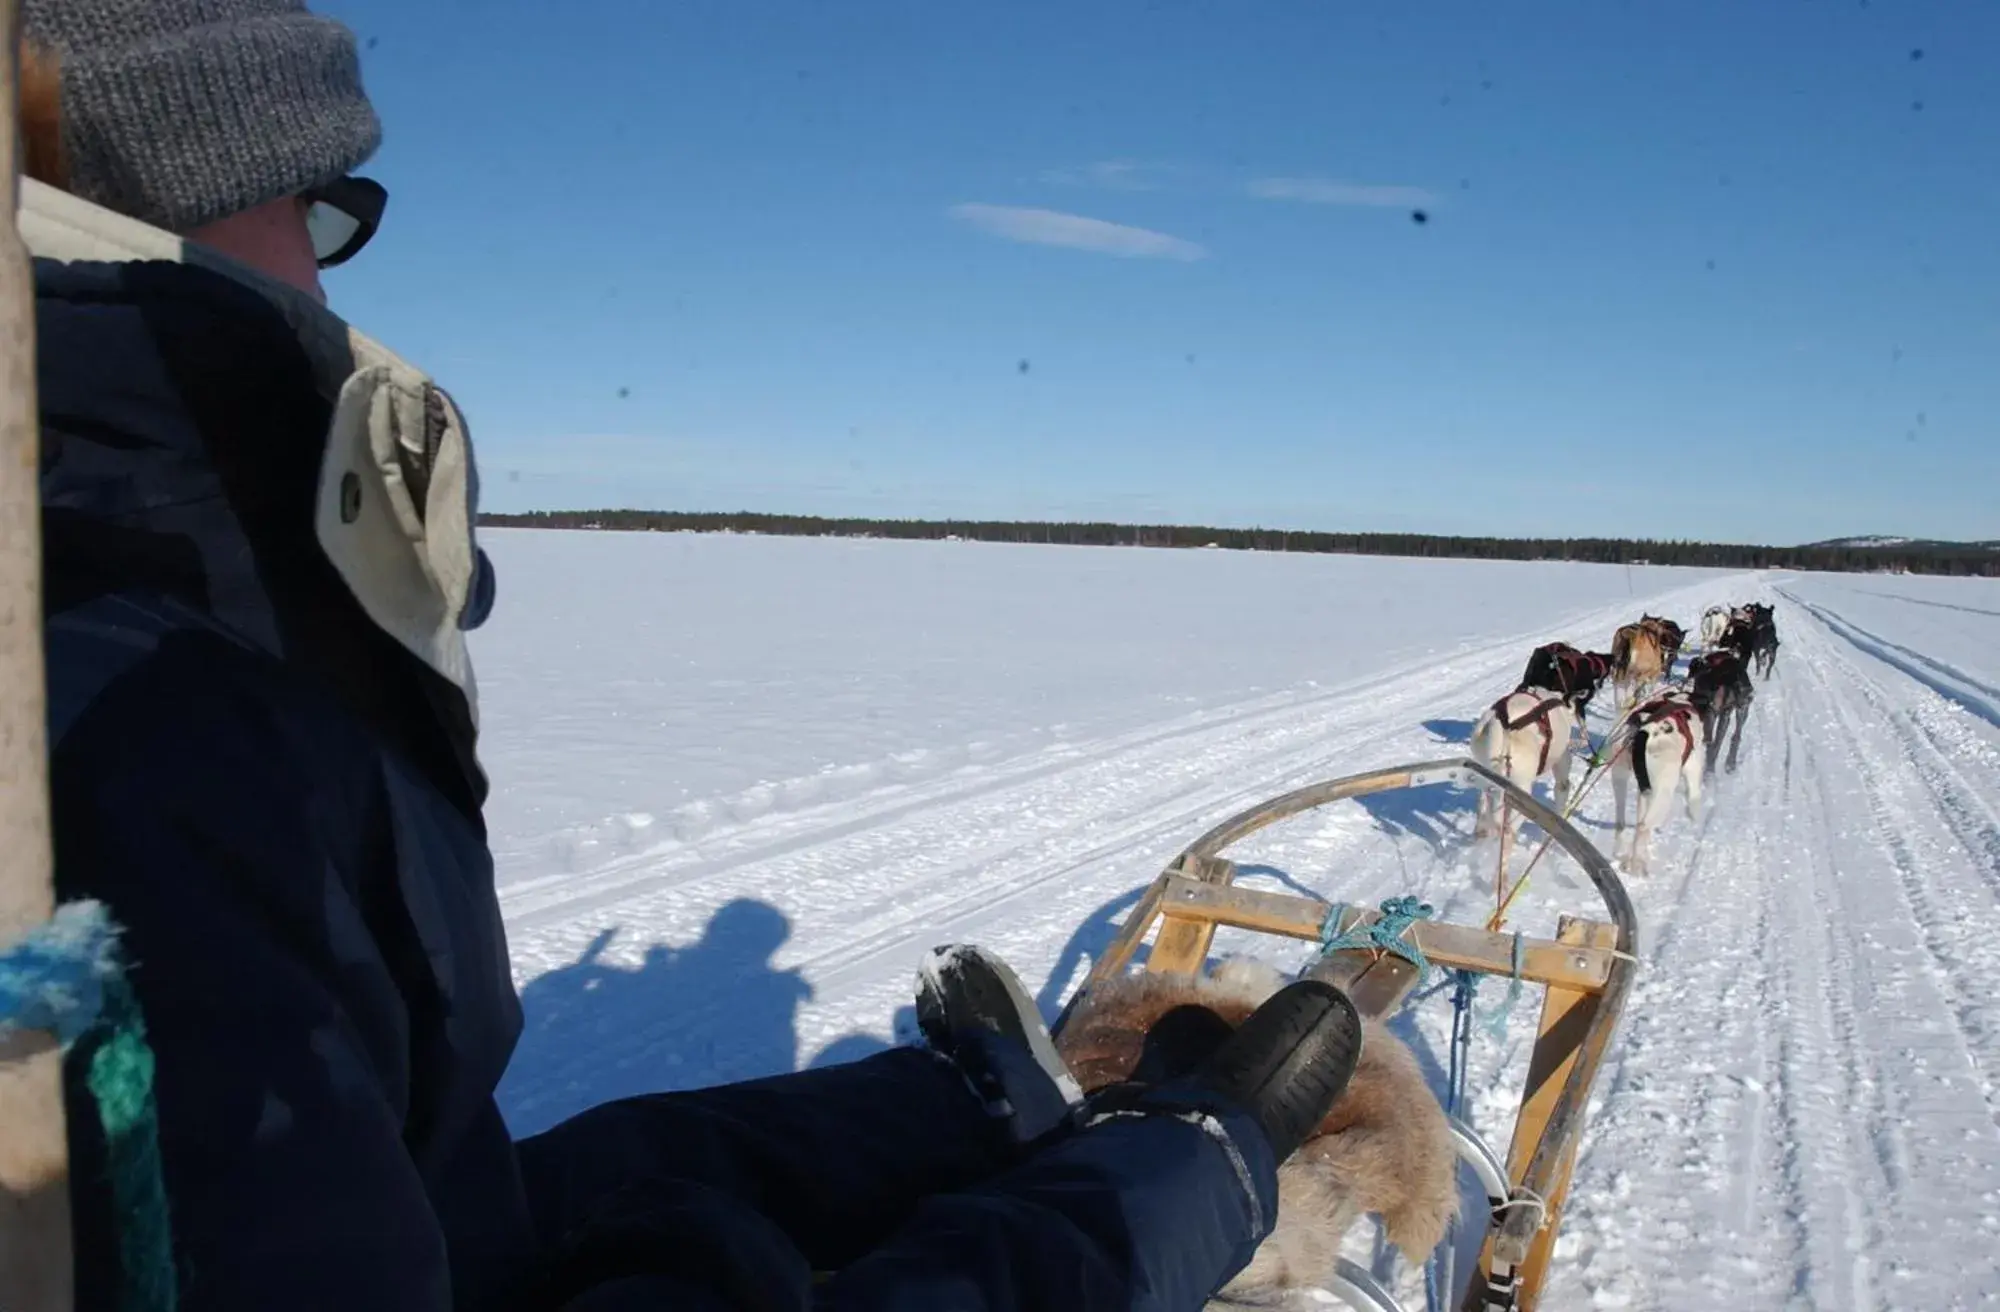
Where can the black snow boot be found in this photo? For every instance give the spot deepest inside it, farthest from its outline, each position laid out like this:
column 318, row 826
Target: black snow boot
column 1285, row 1066
column 972, row 1010
column 1289, row 1062
column 1179, row 1042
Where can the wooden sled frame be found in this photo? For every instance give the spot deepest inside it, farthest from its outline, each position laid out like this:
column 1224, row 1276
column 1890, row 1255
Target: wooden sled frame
column 1586, row 972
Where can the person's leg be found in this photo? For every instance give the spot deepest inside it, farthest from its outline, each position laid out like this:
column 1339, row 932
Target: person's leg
column 835, row 1157
column 1161, row 1197
column 1139, row 1214
column 891, row 1174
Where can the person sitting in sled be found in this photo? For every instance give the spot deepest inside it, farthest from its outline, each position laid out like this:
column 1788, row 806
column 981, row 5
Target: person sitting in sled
column 260, row 567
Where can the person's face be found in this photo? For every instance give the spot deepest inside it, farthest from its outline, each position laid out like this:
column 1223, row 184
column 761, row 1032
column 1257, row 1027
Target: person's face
column 293, row 238
column 273, row 239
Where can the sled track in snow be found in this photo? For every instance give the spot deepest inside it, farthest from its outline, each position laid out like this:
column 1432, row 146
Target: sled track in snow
column 1947, row 681
column 1802, row 1109
column 556, row 899
column 1957, row 917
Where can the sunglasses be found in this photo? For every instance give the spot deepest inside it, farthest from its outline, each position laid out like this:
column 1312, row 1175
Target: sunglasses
column 342, row 217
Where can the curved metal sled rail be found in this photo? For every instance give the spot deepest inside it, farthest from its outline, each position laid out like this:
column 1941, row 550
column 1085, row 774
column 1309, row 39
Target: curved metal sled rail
column 1586, row 972
column 1358, row 1288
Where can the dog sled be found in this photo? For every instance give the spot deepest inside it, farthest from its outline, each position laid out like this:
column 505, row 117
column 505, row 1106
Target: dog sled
column 1585, row 974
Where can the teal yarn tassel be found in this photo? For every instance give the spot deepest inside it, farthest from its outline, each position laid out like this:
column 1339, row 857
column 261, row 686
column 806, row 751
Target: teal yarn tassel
column 65, row 977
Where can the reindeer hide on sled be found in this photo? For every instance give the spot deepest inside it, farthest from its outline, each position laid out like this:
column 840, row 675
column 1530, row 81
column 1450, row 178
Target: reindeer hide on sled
column 1385, row 1148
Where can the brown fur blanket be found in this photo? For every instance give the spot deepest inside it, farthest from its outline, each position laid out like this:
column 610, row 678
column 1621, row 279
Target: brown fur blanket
column 1384, row 1148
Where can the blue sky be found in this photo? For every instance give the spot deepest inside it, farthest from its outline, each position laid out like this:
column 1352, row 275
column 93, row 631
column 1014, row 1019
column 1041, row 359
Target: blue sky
column 1714, row 269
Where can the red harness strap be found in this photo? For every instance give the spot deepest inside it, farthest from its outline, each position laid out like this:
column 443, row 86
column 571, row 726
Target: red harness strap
column 1713, row 663
column 1667, row 709
column 1557, row 656
column 1581, row 669
column 1573, row 669
column 1539, row 716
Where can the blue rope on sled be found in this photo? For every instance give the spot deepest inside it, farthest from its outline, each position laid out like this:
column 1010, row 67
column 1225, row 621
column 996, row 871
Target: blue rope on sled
column 1387, row 935
column 66, row 978
column 1384, row 935
column 1440, row 1269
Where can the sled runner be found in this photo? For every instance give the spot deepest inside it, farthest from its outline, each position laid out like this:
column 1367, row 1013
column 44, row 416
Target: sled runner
column 1586, row 975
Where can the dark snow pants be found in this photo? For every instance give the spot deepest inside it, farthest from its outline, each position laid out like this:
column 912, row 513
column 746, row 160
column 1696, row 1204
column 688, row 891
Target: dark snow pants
column 888, row 1179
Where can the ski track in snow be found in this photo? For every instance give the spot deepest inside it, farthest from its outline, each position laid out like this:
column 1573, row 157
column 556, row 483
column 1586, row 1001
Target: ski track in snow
column 1800, row 1108
column 1802, row 1105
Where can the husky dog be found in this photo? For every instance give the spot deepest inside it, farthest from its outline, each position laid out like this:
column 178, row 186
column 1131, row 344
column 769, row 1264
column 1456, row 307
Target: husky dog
column 1638, row 661
column 1577, row 675
column 1714, row 623
column 1663, row 749
column 1524, row 735
column 1719, row 685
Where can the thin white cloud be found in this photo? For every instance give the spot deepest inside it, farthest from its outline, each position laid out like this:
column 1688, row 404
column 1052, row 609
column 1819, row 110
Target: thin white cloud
column 1075, row 231
column 1114, row 175
column 1325, row 191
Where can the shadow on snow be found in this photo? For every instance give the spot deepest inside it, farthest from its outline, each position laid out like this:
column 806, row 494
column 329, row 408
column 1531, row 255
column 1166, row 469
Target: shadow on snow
column 708, row 1012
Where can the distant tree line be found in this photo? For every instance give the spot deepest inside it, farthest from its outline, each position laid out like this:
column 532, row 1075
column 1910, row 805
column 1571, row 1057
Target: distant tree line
column 1914, row 558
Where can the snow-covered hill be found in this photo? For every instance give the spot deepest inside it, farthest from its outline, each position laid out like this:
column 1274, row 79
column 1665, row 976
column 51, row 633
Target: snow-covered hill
column 1866, row 540
column 1877, row 540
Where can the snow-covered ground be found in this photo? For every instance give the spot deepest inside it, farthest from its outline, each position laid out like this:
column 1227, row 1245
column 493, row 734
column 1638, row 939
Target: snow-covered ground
column 740, row 783
column 647, row 689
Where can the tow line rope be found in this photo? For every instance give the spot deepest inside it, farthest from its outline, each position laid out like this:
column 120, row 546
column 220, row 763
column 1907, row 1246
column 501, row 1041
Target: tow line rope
column 1440, row 1270
column 1394, row 934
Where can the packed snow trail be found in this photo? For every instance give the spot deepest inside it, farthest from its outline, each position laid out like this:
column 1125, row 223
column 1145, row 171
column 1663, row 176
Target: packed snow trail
column 1801, row 1109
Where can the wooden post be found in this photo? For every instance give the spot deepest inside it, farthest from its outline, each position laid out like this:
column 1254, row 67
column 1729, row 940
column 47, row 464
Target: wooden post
column 35, row 1271
column 1183, row 944
column 1566, row 1017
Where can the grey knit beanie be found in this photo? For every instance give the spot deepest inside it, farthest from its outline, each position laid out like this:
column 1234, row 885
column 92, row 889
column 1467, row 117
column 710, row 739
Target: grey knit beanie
column 181, row 112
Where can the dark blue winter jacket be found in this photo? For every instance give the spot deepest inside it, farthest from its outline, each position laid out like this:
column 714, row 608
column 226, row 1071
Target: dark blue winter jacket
column 281, row 804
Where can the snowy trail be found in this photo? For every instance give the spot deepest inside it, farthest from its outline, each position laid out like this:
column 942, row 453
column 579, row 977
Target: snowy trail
column 1802, row 1108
